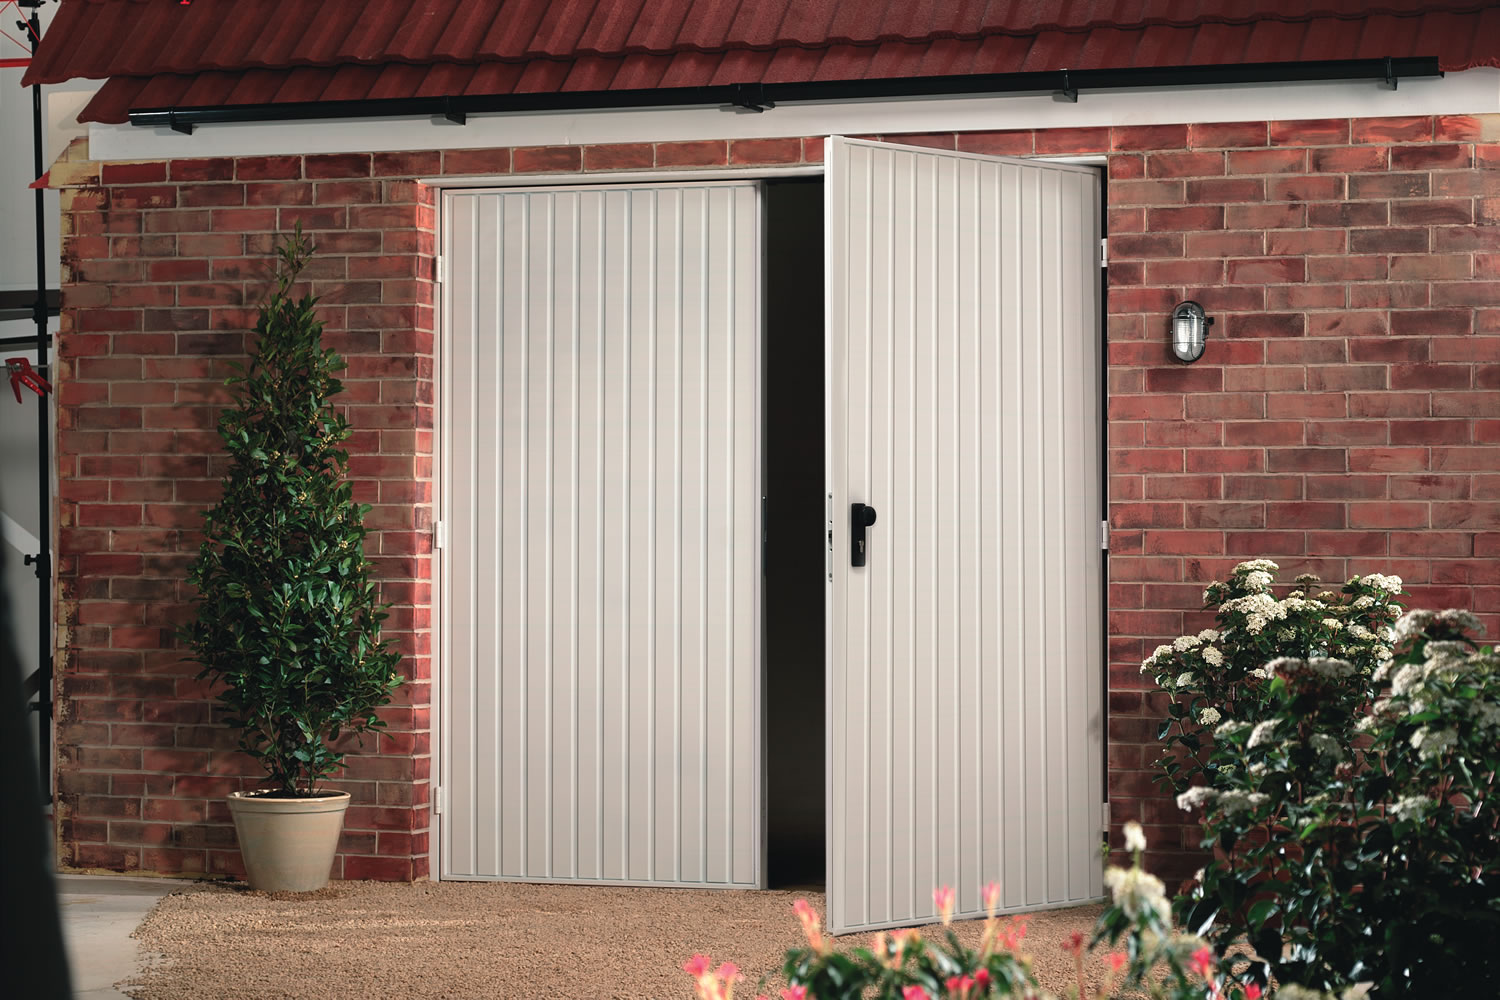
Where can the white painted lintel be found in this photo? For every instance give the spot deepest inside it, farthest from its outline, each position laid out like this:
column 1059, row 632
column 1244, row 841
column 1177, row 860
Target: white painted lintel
column 1471, row 92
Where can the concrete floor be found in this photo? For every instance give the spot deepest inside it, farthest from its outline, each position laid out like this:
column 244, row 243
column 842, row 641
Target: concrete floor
column 99, row 913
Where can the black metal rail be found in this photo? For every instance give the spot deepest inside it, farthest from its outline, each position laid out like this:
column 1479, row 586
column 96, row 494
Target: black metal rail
column 1068, row 84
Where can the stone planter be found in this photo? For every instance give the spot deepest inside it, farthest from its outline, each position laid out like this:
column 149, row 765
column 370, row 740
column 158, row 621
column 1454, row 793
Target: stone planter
column 288, row 844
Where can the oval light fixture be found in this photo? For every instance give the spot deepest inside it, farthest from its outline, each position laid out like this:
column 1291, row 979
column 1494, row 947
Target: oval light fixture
column 1189, row 331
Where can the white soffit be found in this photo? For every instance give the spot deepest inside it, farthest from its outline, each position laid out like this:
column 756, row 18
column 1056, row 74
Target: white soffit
column 1475, row 91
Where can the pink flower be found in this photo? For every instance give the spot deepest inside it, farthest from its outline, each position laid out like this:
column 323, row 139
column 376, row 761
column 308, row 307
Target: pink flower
column 1252, row 992
column 729, row 972
column 697, row 966
column 1202, row 962
column 811, row 923
column 958, row 986
column 982, row 979
column 1117, row 961
column 991, row 896
column 943, row 900
column 794, row 993
column 914, row 993
column 1074, row 943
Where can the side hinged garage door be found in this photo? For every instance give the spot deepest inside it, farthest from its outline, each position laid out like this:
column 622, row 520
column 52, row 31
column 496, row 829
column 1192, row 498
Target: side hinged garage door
column 964, row 665
column 600, row 490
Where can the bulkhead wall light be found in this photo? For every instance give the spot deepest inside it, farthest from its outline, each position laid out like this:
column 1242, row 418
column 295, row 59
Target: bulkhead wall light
column 1189, row 331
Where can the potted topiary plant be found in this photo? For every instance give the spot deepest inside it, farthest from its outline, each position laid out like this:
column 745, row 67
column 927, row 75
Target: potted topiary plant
column 288, row 617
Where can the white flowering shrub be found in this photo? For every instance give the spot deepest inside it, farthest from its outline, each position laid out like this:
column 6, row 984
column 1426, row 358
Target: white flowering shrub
column 1219, row 678
column 1351, row 815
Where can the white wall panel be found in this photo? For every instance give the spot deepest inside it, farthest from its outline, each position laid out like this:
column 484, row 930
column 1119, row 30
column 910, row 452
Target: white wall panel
column 965, row 666
column 601, row 470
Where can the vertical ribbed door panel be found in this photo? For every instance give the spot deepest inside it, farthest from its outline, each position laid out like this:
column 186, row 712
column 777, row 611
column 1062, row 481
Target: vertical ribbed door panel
column 965, row 667
column 600, row 635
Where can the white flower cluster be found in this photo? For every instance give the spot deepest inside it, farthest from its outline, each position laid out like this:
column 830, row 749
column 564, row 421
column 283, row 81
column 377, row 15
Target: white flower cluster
column 1411, row 807
column 1137, row 892
column 1379, row 581
column 1233, row 727
column 1360, row 632
column 1327, row 746
column 1212, row 656
column 1183, row 643
column 1255, row 566
column 1258, row 609
column 1209, row 635
column 1259, row 580
column 1332, row 623
column 1208, row 716
column 1430, row 743
column 1184, row 679
column 1363, row 601
column 1150, row 662
column 1326, row 667
column 1236, row 801
column 1196, row 797
column 1135, row 837
column 1413, row 623
column 1261, row 733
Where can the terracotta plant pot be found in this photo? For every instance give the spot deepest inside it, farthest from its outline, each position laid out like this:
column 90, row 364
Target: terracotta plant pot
column 288, row 844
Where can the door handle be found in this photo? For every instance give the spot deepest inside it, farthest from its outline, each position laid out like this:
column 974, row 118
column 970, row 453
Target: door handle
column 861, row 516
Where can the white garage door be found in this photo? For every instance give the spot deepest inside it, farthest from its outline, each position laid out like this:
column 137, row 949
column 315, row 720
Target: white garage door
column 600, row 481
column 965, row 671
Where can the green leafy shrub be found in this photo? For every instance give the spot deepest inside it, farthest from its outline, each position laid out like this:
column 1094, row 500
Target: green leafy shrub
column 1345, row 790
column 288, row 618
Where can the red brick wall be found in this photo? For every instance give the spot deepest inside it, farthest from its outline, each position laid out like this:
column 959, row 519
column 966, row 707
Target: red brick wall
column 1345, row 418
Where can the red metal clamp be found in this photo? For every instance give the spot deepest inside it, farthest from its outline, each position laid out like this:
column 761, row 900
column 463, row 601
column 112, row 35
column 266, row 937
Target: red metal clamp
column 21, row 373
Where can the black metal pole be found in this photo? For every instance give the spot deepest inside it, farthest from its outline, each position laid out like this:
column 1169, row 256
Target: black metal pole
column 43, row 452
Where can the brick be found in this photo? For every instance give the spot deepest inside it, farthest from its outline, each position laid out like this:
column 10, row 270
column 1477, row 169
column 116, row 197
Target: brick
column 1172, row 272
column 1343, row 487
column 1430, row 376
column 265, row 168
column 334, row 165
column 547, row 159
column 1432, row 156
column 1385, row 349
column 1267, row 325
column 1267, row 161
column 698, row 153
column 1235, row 244
column 1389, row 295
column 1266, row 270
column 1276, row 216
column 132, row 173
column 1018, row 142
column 1225, row 189
column 1352, row 213
column 1148, row 136
column 210, row 195
column 1072, row 140
column 1194, row 218
column 1466, row 293
column 765, row 151
column 1227, row 134
column 163, row 196
column 1438, row 212
column 1183, row 164
column 407, row 163
column 1349, row 160
column 1387, row 240
column 1306, row 132
column 1388, row 130
column 1387, row 459
column 1317, row 188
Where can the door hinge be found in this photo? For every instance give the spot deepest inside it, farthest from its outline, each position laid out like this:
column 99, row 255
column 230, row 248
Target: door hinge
column 1104, row 817
column 438, row 793
column 1103, row 252
column 442, row 269
column 439, row 534
column 1104, row 535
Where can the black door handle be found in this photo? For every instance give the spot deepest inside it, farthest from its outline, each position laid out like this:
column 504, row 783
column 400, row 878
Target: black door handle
column 861, row 516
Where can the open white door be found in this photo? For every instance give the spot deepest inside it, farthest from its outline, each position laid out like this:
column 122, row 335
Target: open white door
column 964, row 657
column 601, row 490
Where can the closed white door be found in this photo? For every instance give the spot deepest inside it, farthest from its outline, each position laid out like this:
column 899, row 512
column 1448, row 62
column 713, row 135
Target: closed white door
column 965, row 671
column 600, row 487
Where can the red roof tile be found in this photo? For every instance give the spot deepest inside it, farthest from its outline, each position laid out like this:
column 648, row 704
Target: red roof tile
column 157, row 53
